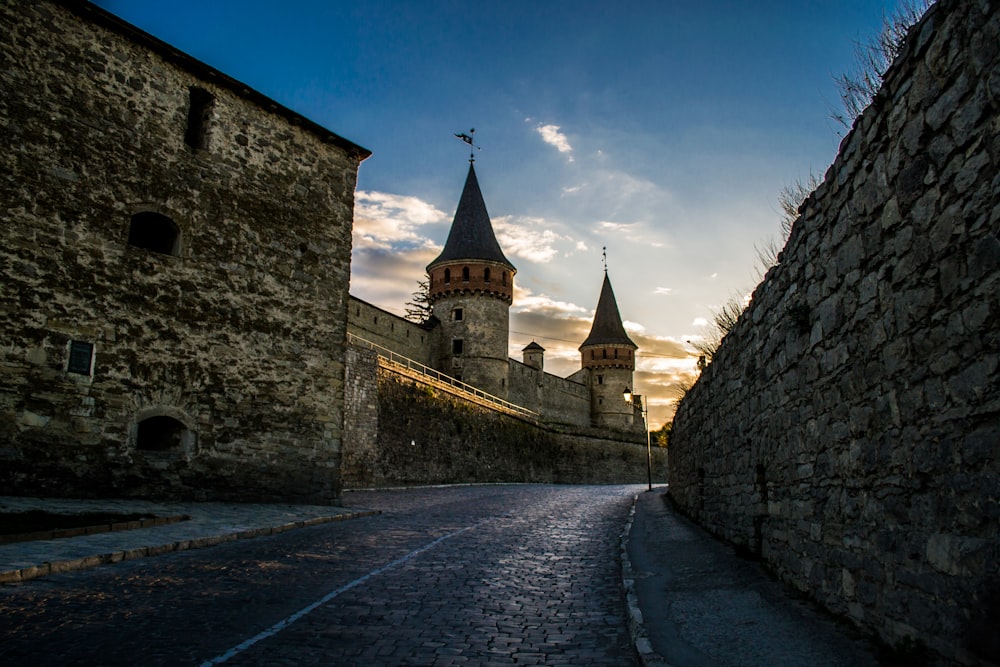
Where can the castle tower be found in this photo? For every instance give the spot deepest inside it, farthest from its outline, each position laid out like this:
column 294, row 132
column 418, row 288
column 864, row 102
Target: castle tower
column 608, row 356
column 471, row 289
column 534, row 356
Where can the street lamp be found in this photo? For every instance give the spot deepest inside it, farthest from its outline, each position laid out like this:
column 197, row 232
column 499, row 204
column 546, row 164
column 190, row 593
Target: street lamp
column 627, row 395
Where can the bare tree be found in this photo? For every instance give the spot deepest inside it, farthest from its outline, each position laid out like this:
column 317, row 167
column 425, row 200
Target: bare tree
column 723, row 321
column 873, row 57
column 418, row 308
column 790, row 198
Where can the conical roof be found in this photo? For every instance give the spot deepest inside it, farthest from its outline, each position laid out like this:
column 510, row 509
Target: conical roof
column 607, row 328
column 471, row 236
column 533, row 346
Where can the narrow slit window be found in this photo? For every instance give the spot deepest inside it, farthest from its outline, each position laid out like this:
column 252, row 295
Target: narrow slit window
column 200, row 103
column 447, row 276
column 465, row 274
column 486, row 275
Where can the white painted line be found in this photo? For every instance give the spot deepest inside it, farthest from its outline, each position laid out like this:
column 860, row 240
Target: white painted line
column 285, row 622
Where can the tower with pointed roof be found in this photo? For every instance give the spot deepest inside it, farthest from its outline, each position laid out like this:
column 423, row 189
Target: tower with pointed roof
column 608, row 360
column 471, row 289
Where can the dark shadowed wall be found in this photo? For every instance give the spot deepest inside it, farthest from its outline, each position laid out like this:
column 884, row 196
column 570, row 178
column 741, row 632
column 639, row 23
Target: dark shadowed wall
column 848, row 429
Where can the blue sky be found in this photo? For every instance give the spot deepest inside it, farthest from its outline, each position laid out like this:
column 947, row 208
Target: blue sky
column 662, row 130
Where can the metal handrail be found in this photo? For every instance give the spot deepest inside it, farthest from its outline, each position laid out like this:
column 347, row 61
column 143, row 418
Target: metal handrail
column 417, row 367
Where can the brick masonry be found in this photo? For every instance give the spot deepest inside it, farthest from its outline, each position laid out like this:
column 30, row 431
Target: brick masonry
column 848, row 429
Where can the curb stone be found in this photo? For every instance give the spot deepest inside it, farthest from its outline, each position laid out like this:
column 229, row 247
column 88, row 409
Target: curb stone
column 56, row 567
column 640, row 637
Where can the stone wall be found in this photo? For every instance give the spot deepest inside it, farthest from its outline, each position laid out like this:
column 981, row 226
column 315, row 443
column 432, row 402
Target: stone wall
column 556, row 400
column 420, row 435
column 194, row 350
column 848, row 429
column 391, row 331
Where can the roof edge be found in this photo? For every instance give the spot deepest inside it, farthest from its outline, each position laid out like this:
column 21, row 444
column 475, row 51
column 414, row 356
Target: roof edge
column 91, row 12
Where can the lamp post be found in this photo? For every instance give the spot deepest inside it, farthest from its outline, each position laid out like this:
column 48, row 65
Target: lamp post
column 627, row 394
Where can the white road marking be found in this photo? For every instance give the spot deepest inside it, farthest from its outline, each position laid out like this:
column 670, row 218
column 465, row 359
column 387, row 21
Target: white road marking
column 285, row 622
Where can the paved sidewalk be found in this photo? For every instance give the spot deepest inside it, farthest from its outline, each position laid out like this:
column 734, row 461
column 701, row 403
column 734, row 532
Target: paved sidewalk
column 695, row 603
column 210, row 523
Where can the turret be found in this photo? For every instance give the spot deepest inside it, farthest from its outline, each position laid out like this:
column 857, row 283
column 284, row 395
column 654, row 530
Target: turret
column 534, row 356
column 608, row 357
column 471, row 289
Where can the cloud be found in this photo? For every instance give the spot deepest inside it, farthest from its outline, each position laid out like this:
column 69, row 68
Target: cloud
column 530, row 238
column 386, row 219
column 630, row 231
column 390, row 247
column 551, row 135
column 700, row 322
column 663, row 291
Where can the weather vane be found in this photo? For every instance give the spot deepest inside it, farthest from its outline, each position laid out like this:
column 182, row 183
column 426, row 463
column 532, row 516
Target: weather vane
column 468, row 138
column 604, row 258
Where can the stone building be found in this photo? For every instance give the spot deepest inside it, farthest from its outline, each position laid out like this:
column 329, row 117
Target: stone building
column 176, row 257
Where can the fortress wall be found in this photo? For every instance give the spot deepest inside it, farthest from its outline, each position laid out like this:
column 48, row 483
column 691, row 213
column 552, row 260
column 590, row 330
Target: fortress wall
column 848, row 429
column 556, row 399
column 390, row 331
column 238, row 335
column 423, row 436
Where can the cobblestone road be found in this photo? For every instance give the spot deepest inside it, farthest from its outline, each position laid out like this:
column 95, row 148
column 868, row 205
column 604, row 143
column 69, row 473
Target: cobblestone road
column 489, row 575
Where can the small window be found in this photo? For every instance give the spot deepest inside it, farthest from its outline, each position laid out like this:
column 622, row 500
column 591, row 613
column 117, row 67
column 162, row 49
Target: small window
column 199, row 112
column 616, row 353
column 600, row 379
column 447, row 276
column 81, row 357
column 503, row 279
column 486, row 275
column 604, row 354
column 457, row 315
column 457, row 346
column 593, row 355
column 465, row 274
column 154, row 232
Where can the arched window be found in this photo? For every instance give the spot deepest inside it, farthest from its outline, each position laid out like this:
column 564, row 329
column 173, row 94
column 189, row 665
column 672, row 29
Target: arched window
column 465, row 274
column 503, row 279
column 447, row 276
column 486, row 275
column 616, row 353
column 160, row 434
column 604, row 354
column 154, row 232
